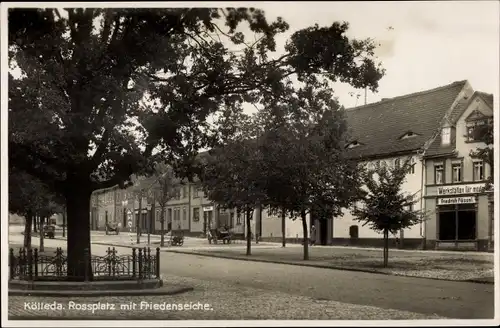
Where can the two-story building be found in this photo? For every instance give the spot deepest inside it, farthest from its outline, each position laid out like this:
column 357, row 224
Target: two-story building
column 390, row 132
column 458, row 209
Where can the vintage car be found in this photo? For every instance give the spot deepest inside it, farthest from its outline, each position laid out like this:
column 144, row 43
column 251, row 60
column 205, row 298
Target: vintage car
column 49, row 229
column 112, row 227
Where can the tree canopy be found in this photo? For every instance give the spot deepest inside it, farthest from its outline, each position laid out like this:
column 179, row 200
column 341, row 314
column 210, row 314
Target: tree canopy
column 101, row 94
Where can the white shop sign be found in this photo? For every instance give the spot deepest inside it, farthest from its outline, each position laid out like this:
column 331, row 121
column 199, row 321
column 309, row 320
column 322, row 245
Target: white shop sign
column 460, row 189
column 457, row 200
column 208, row 208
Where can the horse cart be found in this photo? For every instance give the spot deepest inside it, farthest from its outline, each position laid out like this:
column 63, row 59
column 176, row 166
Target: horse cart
column 214, row 235
column 176, row 238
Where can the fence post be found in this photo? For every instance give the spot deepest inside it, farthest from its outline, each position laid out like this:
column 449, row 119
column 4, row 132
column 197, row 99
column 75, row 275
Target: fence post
column 36, row 262
column 140, row 263
column 30, row 264
column 134, row 259
column 108, row 259
column 157, row 267
column 150, row 265
column 12, row 263
column 86, row 263
column 113, row 258
column 22, row 263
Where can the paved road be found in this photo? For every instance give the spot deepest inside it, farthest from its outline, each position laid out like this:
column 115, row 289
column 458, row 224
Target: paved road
column 444, row 298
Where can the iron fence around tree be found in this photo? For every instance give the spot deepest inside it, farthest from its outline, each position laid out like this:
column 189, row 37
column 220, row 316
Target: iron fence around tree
column 29, row 265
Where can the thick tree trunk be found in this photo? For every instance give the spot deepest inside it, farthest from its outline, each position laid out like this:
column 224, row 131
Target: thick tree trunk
column 306, row 239
column 41, row 248
column 28, row 222
column 162, row 228
column 386, row 248
column 283, row 228
column 78, row 206
column 249, row 232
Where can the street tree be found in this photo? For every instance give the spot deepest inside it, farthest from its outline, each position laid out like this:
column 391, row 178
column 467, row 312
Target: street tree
column 308, row 170
column 165, row 189
column 384, row 207
column 233, row 174
column 100, row 90
column 30, row 198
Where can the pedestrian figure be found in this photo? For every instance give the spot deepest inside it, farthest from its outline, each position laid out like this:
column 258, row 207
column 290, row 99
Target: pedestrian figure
column 313, row 235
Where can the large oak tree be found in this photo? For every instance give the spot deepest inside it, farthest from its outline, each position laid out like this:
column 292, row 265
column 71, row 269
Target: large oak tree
column 100, row 90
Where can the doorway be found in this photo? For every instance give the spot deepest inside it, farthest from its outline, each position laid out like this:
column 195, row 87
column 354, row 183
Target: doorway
column 323, row 231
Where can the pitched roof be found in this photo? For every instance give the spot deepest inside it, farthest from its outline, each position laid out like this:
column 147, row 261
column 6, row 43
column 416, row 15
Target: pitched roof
column 379, row 126
column 487, row 97
column 436, row 148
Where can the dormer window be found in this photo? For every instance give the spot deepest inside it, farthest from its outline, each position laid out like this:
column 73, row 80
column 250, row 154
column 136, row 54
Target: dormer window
column 353, row 144
column 446, row 136
column 409, row 134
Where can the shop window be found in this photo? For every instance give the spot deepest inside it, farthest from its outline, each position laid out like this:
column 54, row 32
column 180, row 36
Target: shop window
column 457, row 222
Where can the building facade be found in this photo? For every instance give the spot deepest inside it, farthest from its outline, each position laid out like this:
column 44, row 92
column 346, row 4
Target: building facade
column 409, row 127
column 457, row 205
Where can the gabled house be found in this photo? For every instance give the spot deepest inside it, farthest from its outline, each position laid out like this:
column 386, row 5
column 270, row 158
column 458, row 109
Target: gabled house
column 459, row 211
column 389, row 132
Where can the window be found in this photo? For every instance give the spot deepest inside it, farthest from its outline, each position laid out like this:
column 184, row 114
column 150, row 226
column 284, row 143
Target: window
column 158, row 214
column 184, row 213
column 438, row 174
column 196, row 214
column 456, row 169
column 411, row 169
column 196, row 192
column 472, row 126
column 184, row 192
column 478, row 171
column 353, row 144
column 446, row 136
column 238, row 219
column 169, row 215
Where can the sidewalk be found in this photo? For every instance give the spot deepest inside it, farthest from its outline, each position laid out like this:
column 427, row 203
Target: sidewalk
column 432, row 265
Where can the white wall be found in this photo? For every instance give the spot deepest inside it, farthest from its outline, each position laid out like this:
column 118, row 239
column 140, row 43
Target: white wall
column 271, row 226
column 411, row 185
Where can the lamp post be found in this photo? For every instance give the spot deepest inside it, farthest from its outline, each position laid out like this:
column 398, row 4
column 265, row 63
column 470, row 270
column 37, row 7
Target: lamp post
column 124, row 205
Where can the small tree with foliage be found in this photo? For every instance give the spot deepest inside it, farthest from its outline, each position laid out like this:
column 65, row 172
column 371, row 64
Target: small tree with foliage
column 484, row 134
column 384, row 207
column 234, row 174
column 165, row 189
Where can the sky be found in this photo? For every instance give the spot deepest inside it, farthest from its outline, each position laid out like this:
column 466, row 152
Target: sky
column 423, row 44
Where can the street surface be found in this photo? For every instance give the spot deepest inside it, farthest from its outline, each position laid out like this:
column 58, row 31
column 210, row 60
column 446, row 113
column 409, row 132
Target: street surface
column 252, row 290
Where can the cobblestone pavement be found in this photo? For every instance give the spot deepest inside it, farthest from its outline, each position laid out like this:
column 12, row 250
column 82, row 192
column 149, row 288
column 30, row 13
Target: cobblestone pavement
column 223, row 302
column 271, row 288
column 448, row 266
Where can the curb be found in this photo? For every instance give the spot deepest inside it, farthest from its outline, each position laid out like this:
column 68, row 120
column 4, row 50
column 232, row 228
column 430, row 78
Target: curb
column 102, row 293
column 322, row 266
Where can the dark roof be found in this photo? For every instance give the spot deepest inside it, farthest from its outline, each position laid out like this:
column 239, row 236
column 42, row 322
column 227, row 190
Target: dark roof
column 380, row 125
column 436, row 148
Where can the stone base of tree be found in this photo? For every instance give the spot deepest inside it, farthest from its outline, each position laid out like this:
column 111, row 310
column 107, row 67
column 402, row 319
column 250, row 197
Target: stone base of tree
column 97, row 289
